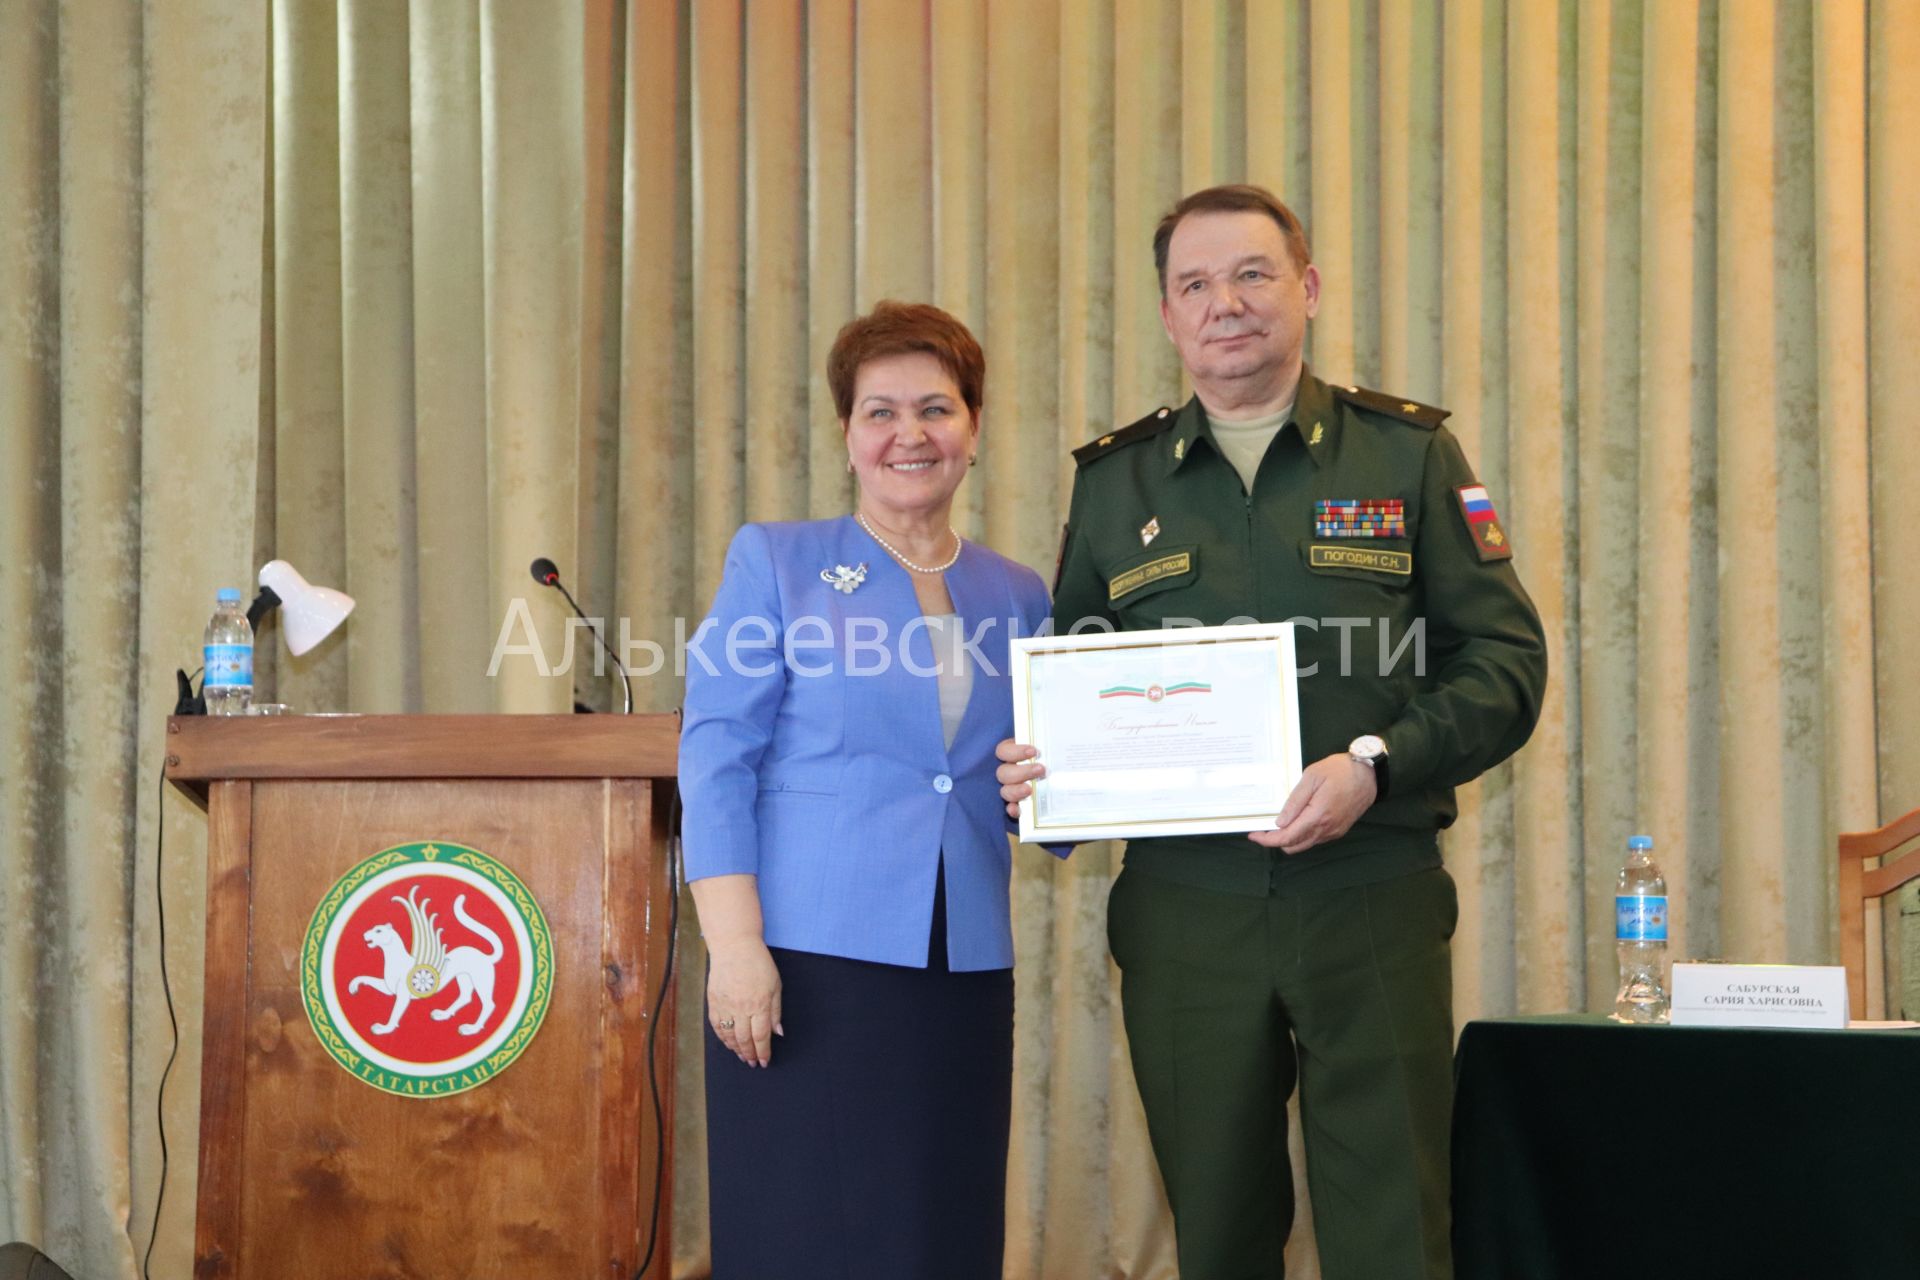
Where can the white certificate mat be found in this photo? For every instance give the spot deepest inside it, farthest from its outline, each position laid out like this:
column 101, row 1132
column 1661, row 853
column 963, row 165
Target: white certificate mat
column 1158, row 733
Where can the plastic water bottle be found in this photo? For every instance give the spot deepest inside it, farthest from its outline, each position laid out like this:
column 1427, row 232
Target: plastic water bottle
column 1640, row 933
column 227, row 658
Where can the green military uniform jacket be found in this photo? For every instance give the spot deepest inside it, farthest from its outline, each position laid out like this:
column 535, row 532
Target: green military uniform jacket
column 1160, row 530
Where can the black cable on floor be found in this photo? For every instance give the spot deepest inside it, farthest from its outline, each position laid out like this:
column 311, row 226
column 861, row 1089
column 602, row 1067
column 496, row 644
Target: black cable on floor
column 160, row 1100
column 653, row 1032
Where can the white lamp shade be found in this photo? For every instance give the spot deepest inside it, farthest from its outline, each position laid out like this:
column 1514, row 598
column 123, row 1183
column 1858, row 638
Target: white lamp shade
column 308, row 614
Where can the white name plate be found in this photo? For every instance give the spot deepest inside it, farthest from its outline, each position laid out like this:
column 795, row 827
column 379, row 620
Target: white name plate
column 1759, row 995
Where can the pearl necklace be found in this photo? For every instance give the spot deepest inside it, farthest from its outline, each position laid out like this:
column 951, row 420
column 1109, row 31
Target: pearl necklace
column 888, row 547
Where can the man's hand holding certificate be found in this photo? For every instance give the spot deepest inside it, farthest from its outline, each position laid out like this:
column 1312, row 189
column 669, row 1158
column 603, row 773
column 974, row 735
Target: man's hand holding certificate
column 1157, row 733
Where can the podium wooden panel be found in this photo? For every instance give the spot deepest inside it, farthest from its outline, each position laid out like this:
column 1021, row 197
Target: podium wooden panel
column 547, row 1169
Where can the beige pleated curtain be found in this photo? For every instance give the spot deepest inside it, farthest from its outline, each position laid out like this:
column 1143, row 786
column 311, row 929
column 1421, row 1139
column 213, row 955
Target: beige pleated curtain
column 409, row 294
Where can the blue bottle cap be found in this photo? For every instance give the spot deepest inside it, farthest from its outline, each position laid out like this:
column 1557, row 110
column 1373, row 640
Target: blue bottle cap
column 1639, row 842
column 228, row 595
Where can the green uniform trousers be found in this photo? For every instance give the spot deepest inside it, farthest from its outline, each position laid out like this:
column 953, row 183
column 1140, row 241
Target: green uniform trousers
column 1229, row 1000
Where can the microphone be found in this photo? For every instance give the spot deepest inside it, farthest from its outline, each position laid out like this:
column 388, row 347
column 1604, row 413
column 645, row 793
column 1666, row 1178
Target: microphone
column 547, row 574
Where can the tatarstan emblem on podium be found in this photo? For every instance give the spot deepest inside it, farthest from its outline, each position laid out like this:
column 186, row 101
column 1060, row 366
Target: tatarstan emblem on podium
column 427, row 969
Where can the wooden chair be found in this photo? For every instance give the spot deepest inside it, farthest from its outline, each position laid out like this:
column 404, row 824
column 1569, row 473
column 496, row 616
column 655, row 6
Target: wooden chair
column 1861, row 888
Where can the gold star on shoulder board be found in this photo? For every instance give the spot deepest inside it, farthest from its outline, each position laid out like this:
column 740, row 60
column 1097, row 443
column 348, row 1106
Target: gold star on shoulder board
column 1408, row 406
column 1103, row 442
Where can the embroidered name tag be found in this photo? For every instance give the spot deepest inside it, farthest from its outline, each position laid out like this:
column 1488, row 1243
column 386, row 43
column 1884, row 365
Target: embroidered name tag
column 1360, row 518
column 1152, row 571
column 1400, row 562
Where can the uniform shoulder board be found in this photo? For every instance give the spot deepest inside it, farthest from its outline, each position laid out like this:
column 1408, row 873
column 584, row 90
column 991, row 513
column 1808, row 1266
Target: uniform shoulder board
column 1148, row 427
column 1420, row 415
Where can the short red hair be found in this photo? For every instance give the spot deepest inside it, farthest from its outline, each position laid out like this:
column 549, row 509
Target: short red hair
column 903, row 328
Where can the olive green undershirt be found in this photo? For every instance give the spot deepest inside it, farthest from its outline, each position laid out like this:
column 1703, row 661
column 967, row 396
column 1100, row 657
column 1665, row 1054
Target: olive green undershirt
column 1245, row 443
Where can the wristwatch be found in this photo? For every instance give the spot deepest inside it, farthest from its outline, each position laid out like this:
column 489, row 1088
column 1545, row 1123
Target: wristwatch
column 1369, row 750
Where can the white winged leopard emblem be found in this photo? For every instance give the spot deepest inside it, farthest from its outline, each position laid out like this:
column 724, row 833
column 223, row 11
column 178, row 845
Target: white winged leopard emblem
column 427, row 968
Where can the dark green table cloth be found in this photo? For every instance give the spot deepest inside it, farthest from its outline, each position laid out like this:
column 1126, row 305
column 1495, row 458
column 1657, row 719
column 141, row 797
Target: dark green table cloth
column 1586, row 1148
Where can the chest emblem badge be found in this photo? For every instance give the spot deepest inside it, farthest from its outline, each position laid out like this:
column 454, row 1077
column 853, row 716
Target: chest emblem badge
column 1149, row 531
column 843, row 579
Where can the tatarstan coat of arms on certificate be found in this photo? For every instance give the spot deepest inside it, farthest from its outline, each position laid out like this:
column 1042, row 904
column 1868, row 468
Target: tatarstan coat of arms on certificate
column 427, row 969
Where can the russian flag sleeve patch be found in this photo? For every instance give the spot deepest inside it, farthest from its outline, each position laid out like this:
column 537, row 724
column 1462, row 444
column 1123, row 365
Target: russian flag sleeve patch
column 1483, row 523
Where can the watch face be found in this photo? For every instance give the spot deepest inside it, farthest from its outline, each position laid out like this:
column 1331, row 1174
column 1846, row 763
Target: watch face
column 1367, row 747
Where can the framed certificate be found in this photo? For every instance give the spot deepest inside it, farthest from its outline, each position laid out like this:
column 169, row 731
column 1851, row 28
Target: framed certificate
column 1158, row 733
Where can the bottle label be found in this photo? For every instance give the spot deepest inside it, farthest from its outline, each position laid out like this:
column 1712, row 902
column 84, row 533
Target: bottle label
column 229, row 666
column 1640, row 918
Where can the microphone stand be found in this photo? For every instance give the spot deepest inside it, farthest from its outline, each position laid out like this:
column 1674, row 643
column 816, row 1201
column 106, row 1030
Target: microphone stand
column 547, row 574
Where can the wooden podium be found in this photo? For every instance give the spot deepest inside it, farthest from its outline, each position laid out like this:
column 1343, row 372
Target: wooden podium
column 315, row 1162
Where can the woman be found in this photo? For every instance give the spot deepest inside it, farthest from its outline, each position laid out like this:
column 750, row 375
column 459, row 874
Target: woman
column 848, row 850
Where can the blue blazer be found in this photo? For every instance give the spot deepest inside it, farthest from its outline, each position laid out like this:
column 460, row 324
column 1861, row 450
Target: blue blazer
column 812, row 754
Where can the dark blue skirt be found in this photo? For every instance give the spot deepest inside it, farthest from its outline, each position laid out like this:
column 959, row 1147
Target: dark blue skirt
column 875, row 1146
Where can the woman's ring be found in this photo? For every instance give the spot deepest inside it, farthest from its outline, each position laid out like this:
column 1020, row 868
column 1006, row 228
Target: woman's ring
column 726, row 1024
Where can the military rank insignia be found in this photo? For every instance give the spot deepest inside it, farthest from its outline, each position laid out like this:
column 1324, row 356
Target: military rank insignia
column 1360, row 518
column 1483, row 523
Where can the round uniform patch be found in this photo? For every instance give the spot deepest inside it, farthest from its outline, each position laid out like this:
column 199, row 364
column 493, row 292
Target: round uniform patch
column 427, row 969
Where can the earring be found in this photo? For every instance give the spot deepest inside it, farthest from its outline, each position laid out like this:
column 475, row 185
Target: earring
column 973, row 459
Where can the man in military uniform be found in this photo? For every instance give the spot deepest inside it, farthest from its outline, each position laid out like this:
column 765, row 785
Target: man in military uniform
column 1316, row 952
